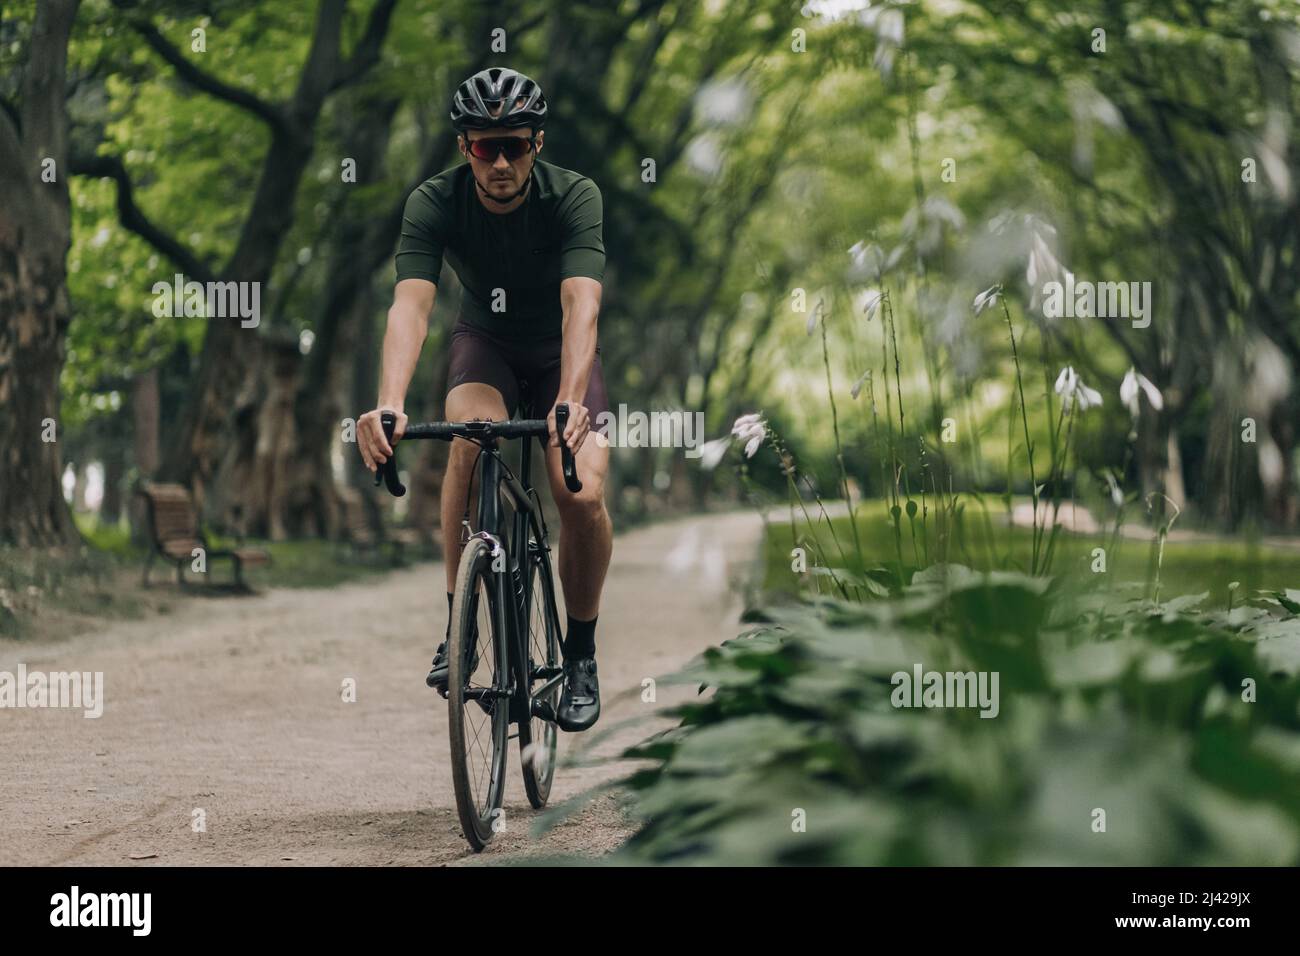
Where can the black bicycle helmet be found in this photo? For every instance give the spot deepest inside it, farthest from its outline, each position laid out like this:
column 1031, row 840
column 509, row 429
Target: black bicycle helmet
column 498, row 96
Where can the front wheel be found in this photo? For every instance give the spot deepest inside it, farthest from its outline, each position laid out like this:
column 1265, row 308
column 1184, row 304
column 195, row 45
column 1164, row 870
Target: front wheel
column 478, row 679
column 537, row 737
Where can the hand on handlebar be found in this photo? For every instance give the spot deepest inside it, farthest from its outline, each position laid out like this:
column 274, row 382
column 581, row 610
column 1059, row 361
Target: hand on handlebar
column 575, row 433
column 371, row 441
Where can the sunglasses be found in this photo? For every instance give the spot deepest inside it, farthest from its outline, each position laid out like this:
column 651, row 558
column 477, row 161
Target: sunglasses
column 514, row 147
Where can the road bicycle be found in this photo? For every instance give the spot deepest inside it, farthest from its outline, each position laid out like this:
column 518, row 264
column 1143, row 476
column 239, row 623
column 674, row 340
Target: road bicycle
column 503, row 648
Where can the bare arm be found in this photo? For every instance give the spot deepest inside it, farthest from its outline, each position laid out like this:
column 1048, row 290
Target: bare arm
column 580, row 301
column 408, row 324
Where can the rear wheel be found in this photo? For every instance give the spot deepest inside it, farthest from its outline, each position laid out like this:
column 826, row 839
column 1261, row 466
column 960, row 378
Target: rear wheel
column 537, row 737
column 478, row 678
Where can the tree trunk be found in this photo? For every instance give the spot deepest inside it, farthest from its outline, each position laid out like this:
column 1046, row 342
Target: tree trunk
column 35, row 231
column 32, row 510
column 1173, row 483
column 110, row 509
column 1282, row 505
column 1159, row 460
column 253, row 473
column 145, row 405
column 363, row 244
column 230, row 351
column 144, row 410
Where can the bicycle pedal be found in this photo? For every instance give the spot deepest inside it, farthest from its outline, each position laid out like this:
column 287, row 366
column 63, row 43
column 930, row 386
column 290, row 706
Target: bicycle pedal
column 543, row 709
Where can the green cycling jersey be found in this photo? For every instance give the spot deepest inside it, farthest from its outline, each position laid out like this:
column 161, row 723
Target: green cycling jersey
column 510, row 264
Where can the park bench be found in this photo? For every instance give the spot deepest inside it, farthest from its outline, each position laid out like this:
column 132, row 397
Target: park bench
column 174, row 534
column 363, row 535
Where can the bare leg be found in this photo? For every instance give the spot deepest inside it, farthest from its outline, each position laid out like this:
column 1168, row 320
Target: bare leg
column 467, row 402
column 586, row 533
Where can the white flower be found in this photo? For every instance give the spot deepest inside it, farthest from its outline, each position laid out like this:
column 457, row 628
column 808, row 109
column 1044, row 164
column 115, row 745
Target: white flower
column 1071, row 389
column 872, row 302
column 987, row 299
column 864, row 253
column 1116, row 495
column 816, row 314
column 1043, row 265
column 941, row 210
column 1128, row 392
column 857, row 386
column 751, row 429
column 888, row 24
column 712, row 452
column 1088, row 397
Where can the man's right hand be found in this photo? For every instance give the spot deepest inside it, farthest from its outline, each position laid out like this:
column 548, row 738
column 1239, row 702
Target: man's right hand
column 371, row 441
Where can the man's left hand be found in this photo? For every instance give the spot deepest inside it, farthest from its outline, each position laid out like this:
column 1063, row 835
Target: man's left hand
column 576, row 432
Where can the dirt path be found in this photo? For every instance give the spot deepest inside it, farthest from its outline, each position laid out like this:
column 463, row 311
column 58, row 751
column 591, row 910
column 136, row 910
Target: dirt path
column 234, row 708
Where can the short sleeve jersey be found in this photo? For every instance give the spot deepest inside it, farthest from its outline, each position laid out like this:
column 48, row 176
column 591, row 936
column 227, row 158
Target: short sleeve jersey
column 510, row 265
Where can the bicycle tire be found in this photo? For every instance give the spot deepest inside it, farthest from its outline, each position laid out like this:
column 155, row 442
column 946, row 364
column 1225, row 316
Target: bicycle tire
column 538, row 737
column 480, row 790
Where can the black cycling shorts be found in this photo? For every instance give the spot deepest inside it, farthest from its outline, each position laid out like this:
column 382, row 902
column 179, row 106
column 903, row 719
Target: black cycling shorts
column 518, row 368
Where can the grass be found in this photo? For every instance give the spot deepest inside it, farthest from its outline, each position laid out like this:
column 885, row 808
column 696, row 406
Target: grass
column 49, row 595
column 307, row 563
column 1188, row 567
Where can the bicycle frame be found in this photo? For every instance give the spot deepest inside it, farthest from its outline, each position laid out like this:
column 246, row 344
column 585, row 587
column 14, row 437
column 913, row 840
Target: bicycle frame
column 494, row 474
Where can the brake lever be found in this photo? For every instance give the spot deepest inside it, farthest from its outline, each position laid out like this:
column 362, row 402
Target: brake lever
column 387, row 472
column 567, row 463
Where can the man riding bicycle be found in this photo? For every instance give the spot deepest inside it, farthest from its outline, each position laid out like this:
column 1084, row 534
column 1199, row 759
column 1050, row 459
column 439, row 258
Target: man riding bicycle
column 524, row 237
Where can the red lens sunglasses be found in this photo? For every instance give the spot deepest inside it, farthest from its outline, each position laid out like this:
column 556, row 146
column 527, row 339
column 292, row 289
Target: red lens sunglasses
column 515, row 147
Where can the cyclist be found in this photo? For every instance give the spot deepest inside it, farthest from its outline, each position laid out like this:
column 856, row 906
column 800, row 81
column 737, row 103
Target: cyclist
column 524, row 237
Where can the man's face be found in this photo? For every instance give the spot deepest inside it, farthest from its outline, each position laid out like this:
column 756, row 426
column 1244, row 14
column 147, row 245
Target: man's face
column 499, row 176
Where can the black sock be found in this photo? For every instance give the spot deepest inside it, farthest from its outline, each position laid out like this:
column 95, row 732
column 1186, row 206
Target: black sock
column 580, row 640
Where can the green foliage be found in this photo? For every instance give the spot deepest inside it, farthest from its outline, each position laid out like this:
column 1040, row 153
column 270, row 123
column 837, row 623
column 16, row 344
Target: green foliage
column 1191, row 565
column 305, row 564
column 1104, row 703
column 37, row 584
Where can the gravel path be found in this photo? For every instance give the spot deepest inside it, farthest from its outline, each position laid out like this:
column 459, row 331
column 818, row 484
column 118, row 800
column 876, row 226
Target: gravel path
column 230, row 713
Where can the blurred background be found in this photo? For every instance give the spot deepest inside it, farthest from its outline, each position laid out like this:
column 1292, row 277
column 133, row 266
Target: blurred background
column 837, row 216
column 744, row 149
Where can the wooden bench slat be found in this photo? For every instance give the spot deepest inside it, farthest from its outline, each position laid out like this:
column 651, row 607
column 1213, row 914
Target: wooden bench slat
column 175, row 524
column 180, row 547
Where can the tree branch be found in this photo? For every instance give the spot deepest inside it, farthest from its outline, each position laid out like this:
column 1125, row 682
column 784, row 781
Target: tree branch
column 324, row 61
column 641, row 73
column 43, row 116
column 10, row 140
column 366, row 53
column 133, row 218
column 7, row 108
column 202, row 80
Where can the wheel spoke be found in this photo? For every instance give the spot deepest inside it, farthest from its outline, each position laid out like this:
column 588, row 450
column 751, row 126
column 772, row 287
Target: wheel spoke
column 480, row 721
column 543, row 649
